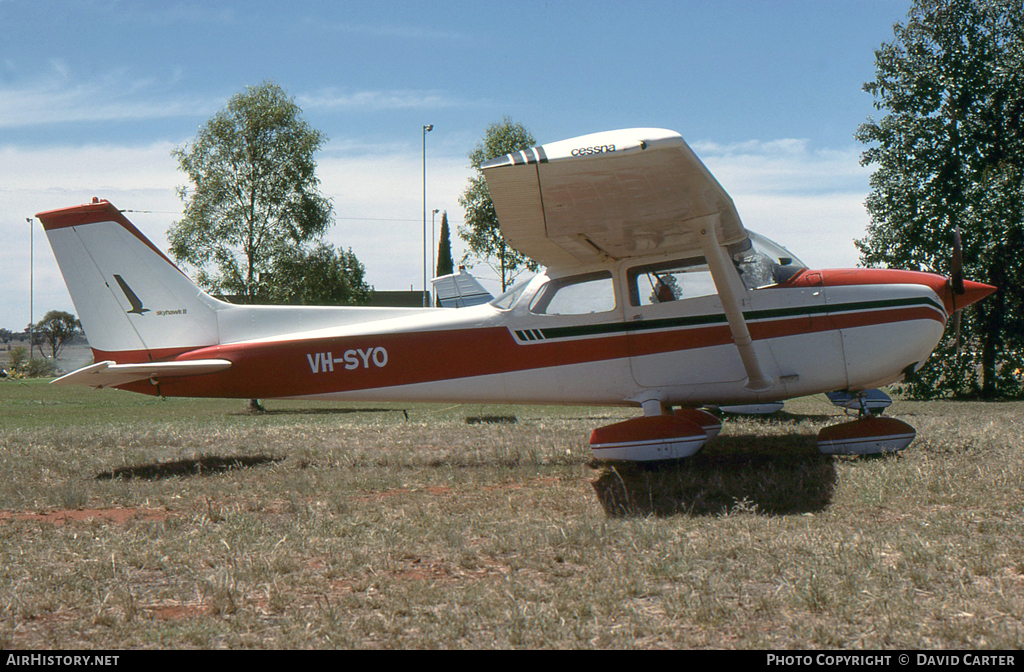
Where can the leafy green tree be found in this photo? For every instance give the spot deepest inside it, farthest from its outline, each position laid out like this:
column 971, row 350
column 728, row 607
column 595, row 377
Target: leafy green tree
column 949, row 153
column 481, row 231
column 254, row 193
column 445, row 263
column 57, row 328
column 320, row 276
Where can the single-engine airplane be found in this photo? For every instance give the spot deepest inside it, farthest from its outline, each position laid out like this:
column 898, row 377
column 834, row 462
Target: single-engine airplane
column 654, row 296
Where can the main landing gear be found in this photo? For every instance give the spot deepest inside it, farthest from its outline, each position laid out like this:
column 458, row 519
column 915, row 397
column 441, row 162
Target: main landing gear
column 652, row 438
column 869, row 434
column 663, row 434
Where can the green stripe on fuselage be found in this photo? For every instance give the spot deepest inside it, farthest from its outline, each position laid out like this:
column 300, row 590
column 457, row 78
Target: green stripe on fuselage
column 607, row 329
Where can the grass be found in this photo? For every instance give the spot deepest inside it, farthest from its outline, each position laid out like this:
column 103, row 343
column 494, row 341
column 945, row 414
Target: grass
column 126, row 522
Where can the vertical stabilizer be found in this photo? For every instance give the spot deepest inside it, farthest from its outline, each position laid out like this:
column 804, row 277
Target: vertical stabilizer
column 134, row 303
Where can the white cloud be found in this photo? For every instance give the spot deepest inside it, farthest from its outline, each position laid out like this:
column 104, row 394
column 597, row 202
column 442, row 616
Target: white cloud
column 403, row 32
column 334, row 99
column 784, row 165
column 810, row 201
column 58, row 98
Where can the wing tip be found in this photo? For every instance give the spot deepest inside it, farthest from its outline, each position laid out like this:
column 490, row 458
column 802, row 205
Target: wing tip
column 523, row 157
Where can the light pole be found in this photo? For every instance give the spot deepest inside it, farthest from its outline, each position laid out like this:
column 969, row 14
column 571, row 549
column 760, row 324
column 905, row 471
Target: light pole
column 426, row 129
column 31, row 288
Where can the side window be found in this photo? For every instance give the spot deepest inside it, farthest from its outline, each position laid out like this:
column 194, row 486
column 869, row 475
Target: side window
column 578, row 295
column 670, row 281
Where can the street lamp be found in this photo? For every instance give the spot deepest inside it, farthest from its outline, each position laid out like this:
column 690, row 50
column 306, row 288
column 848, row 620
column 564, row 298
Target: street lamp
column 426, row 129
column 31, row 288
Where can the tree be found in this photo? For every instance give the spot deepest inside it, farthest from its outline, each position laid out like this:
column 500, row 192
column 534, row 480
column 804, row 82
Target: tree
column 481, row 231
column 320, row 276
column 56, row 329
column 445, row 263
column 255, row 193
column 950, row 153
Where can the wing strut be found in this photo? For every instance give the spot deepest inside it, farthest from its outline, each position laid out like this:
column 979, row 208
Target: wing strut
column 727, row 283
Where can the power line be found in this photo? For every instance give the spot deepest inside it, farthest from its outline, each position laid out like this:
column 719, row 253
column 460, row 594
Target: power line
column 359, row 219
column 384, row 219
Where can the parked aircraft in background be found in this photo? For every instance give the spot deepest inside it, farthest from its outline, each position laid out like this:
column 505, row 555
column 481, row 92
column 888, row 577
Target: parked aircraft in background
column 460, row 290
column 654, row 296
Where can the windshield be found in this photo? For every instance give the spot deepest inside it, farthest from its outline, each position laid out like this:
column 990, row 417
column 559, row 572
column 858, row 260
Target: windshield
column 508, row 299
column 766, row 263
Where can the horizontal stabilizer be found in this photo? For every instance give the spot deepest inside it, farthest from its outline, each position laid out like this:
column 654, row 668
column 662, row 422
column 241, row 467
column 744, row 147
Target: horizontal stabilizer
column 110, row 374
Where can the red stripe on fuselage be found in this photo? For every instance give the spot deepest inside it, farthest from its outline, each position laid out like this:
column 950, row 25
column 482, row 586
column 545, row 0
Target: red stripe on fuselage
column 300, row 368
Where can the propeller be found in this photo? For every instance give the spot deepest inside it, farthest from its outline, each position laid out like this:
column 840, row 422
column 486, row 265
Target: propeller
column 956, row 282
column 956, row 272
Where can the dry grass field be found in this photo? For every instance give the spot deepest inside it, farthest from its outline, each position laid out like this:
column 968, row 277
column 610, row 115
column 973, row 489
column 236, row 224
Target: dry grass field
column 131, row 522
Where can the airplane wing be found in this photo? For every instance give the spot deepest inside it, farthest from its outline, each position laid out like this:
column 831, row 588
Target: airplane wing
column 108, row 374
column 608, row 196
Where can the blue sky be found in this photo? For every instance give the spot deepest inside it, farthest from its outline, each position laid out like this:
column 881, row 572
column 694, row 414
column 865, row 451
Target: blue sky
column 95, row 94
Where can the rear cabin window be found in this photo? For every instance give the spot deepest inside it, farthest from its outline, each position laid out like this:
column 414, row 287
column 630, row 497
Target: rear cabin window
column 577, row 295
column 670, row 281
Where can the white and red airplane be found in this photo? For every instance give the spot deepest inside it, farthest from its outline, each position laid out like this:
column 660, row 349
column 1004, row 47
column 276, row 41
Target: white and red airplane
column 654, row 296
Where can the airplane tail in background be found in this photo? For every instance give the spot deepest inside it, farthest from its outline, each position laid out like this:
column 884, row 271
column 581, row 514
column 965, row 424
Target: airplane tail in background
column 459, row 290
column 134, row 303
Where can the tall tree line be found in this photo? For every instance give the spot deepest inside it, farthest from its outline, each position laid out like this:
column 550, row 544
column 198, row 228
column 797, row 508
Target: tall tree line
column 948, row 153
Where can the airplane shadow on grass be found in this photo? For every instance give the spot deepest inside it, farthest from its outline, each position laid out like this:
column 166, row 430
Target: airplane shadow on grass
column 319, row 411
column 779, row 475
column 206, row 465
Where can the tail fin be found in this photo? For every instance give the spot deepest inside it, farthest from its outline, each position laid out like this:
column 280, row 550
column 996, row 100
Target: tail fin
column 459, row 290
column 134, row 303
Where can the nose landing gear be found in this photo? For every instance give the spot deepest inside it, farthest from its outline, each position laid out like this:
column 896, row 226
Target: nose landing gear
column 870, row 433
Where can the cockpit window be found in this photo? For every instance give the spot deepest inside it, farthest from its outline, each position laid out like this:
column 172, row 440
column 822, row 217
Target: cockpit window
column 576, row 295
column 766, row 263
column 762, row 263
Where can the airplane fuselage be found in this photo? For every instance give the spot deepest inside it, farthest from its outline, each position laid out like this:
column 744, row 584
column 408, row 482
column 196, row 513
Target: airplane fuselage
column 863, row 329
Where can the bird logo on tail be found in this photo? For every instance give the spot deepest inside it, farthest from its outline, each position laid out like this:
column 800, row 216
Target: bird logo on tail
column 133, row 299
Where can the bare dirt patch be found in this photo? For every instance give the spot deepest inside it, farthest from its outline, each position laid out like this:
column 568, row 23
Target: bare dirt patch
column 62, row 516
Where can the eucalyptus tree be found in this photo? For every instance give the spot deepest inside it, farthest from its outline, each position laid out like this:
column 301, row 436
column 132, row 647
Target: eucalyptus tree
column 481, row 231
column 254, row 194
column 57, row 328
